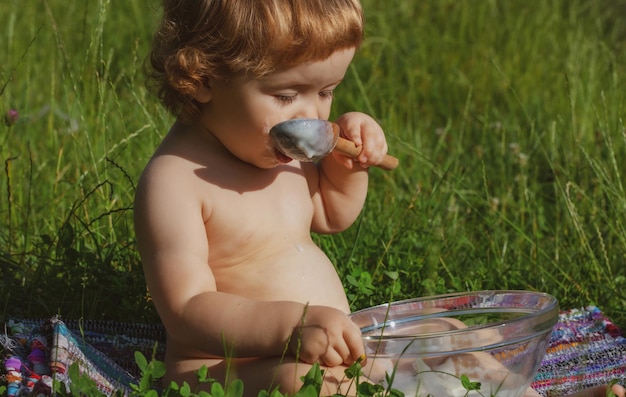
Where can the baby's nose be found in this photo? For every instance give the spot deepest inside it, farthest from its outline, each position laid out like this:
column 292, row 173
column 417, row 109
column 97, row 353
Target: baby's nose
column 309, row 112
column 307, row 115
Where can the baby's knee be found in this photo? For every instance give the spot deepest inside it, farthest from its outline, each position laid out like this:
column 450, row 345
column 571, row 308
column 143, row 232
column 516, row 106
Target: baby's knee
column 288, row 377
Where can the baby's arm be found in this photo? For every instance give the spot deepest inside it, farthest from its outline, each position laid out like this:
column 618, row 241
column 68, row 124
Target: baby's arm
column 340, row 184
column 173, row 243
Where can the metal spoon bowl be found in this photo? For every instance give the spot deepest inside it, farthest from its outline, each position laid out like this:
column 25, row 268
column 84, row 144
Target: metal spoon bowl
column 313, row 139
column 305, row 139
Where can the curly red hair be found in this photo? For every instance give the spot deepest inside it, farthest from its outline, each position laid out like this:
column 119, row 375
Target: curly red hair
column 199, row 40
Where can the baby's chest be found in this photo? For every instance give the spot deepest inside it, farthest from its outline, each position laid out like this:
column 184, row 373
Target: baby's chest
column 256, row 229
column 284, row 206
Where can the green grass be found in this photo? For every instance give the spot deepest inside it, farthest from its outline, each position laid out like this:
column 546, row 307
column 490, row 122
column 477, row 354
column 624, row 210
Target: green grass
column 507, row 116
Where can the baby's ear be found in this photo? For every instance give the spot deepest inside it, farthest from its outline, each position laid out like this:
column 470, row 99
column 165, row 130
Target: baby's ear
column 203, row 94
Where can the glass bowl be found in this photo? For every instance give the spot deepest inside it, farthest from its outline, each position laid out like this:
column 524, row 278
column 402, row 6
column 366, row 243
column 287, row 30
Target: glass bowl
column 483, row 343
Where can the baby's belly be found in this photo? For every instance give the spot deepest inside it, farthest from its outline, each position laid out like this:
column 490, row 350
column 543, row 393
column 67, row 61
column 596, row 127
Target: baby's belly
column 296, row 271
column 301, row 272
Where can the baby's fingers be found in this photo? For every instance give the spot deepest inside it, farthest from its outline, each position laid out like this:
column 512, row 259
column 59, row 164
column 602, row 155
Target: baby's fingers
column 333, row 358
column 373, row 154
column 343, row 350
column 374, row 144
column 354, row 342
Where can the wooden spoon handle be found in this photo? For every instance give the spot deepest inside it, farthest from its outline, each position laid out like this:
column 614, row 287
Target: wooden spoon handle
column 348, row 148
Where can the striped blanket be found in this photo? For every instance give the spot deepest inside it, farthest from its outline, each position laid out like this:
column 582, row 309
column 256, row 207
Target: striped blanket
column 585, row 349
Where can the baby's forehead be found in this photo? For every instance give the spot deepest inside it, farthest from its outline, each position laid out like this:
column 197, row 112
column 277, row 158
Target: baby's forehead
column 297, row 62
column 321, row 72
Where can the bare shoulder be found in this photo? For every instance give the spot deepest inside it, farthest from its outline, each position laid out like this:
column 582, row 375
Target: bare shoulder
column 170, row 199
column 167, row 171
column 174, row 168
column 166, row 181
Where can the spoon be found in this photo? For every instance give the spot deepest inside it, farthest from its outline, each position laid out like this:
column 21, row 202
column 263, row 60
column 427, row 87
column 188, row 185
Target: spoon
column 313, row 139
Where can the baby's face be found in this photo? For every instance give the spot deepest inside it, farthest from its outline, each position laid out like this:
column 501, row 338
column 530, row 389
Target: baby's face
column 240, row 112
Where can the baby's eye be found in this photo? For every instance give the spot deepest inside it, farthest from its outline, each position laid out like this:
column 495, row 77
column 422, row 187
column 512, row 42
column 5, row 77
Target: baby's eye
column 287, row 99
column 326, row 94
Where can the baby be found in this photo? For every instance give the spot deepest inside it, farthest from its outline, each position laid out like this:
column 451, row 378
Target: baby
column 223, row 219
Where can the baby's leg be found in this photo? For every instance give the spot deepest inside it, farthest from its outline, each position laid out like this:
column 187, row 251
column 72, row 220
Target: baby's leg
column 261, row 374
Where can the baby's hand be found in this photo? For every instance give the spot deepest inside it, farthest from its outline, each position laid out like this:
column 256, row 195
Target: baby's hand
column 366, row 132
column 327, row 336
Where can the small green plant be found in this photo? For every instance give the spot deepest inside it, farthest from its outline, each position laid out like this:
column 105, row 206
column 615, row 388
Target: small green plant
column 152, row 371
column 469, row 385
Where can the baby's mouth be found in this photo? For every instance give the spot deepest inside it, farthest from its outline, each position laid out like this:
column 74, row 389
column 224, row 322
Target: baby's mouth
column 281, row 157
